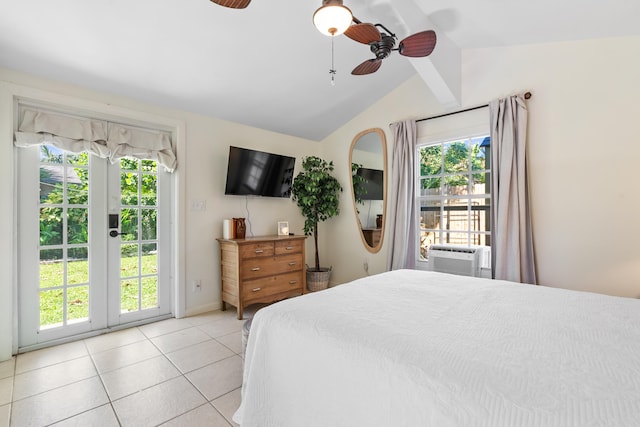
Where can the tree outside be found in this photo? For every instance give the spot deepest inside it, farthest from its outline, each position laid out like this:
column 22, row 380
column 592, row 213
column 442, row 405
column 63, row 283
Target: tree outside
column 60, row 171
column 454, row 189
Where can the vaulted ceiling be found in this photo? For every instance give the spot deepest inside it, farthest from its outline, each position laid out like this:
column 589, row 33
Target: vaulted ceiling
column 266, row 65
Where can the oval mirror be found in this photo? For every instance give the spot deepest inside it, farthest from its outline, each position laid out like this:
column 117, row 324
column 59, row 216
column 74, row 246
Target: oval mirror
column 368, row 160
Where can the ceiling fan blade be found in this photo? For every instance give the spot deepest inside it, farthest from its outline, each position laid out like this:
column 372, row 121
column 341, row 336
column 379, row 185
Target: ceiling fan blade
column 233, row 4
column 363, row 33
column 367, row 67
column 418, row 45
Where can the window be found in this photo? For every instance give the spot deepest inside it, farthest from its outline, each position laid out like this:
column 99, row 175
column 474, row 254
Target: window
column 454, row 193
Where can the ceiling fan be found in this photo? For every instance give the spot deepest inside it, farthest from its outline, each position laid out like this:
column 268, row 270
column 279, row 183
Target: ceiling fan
column 383, row 43
column 338, row 19
column 233, row 4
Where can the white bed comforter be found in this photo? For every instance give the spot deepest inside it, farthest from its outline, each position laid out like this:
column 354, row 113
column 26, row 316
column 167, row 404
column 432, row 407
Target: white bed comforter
column 412, row 348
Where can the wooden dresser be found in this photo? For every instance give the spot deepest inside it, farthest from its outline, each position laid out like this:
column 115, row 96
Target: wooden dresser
column 372, row 236
column 261, row 269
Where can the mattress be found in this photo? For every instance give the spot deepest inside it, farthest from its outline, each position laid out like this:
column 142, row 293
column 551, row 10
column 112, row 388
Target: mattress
column 415, row 348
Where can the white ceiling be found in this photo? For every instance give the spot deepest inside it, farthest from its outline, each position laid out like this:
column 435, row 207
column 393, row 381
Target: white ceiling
column 267, row 66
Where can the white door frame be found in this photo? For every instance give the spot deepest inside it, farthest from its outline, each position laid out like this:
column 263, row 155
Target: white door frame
column 13, row 94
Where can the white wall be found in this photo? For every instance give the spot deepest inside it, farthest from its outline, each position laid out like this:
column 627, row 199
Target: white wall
column 341, row 245
column 202, row 168
column 584, row 152
column 208, row 143
column 8, row 297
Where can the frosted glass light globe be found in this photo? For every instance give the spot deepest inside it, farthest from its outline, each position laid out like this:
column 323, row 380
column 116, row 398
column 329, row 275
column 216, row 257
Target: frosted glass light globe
column 332, row 18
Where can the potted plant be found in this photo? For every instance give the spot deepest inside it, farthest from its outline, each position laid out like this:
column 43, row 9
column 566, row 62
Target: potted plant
column 359, row 183
column 317, row 193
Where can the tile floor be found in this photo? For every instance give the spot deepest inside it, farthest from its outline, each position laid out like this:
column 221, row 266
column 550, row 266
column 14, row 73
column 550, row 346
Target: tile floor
column 176, row 372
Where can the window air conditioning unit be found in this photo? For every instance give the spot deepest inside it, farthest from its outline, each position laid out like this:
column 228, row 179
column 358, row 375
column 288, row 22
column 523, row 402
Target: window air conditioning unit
column 461, row 260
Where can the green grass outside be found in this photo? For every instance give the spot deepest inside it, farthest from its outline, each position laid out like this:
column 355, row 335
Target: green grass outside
column 52, row 300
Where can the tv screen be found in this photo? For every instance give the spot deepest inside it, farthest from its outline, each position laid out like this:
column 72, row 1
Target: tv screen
column 256, row 173
column 373, row 183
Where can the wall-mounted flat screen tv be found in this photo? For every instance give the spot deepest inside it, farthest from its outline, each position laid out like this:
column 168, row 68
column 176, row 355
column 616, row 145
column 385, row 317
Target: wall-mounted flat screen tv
column 257, row 173
column 373, row 183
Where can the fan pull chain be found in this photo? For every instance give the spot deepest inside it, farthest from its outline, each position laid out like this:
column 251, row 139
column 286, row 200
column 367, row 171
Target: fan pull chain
column 332, row 71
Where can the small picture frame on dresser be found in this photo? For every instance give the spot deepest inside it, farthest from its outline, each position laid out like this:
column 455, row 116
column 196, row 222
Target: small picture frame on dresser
column 283, row 228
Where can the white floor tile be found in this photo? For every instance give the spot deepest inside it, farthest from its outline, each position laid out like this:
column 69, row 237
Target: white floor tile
column 199, row 355
column 43, row 379
column 50, row 356
column 6, row 390
column 221, row 327
column 61, row 384
column 7, row 368
column 218, row 378
column 102, row 416
column 59, row 404
column 5, row 413
column 136, row 377
column 114, row 339
column 232, row 341
column 126, row 355
column 199, row 319
column 229, row 404
column 155, row 329
column 205, row 415
column 179, row 339
column 158, row 404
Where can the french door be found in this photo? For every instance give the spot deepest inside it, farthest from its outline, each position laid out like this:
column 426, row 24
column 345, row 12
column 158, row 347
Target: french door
column 94, row 243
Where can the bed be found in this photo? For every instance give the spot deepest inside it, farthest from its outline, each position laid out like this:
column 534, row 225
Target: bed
column 415, row 348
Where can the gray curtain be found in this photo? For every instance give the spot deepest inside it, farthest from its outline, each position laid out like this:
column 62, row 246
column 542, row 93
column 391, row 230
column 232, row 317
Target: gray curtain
column 98, row 137
column 402, row 209
column 512, row 256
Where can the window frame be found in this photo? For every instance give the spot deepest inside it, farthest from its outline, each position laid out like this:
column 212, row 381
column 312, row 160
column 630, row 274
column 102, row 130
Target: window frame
column 442, row 197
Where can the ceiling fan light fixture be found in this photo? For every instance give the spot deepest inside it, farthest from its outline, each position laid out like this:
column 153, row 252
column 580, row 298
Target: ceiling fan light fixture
column 332, row 18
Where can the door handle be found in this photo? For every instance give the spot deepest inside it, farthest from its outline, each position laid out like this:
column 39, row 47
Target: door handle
column 115, row 233
column 113, row 223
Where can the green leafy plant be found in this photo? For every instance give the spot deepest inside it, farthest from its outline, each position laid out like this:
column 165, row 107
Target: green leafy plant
column 317, row 193
column 359, row 183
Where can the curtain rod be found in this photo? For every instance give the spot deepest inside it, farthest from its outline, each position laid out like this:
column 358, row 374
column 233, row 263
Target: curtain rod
column 527, row 95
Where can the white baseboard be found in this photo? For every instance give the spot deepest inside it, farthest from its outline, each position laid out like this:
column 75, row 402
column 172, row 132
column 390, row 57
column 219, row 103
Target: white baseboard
column 205, row 308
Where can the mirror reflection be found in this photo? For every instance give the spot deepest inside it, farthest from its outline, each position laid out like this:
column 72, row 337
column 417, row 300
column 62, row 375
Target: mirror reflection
column 368, row 159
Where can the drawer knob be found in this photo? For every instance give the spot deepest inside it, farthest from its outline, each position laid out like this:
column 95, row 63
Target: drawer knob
column 289, row 248
column 255, row 289
column 259, row 251
column 255, row 269
column 293, row 282
column 292, row 263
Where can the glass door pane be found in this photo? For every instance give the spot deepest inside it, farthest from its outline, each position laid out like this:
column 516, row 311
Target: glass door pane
column 139, row 244
column 64, row 238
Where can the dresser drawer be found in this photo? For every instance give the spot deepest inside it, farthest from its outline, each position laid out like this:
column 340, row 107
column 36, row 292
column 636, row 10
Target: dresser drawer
column 286, row 263
column 289, row 247
column 264, row 287
column 259, row 249
column 260, row 267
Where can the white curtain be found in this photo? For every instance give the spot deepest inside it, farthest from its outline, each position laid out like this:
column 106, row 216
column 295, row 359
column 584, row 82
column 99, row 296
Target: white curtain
column 512, row 255
column 402, row 209
column 101, row 138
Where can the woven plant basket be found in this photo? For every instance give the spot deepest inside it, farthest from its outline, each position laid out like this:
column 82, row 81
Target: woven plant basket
column 318, row 280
